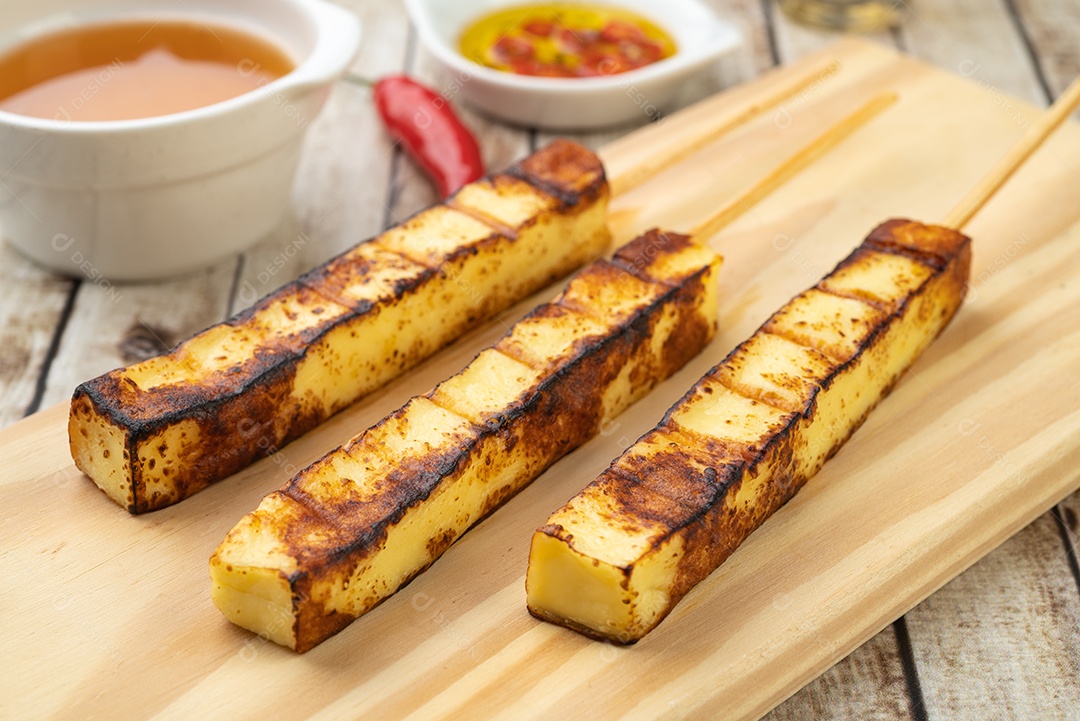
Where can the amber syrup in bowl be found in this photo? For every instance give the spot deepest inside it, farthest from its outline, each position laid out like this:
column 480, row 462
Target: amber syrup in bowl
column 143, row 139
column 135, row 69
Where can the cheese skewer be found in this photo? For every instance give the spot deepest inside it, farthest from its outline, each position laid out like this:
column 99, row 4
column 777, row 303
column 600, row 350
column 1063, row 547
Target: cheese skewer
column 156, row 432
column 615, row 560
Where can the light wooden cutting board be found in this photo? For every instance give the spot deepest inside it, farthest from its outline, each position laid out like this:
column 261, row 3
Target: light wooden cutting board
column 106, row 615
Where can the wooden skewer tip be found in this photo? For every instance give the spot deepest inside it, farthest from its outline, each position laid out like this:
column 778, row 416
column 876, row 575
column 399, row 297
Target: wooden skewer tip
column 793, row 165
column 1000, row 173
column 668, row 156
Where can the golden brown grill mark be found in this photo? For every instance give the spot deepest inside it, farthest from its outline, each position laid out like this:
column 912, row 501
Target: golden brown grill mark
column 564, row 172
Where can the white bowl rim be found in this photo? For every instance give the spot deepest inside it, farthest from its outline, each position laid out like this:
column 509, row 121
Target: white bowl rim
column 728, row 37
column 342, row 26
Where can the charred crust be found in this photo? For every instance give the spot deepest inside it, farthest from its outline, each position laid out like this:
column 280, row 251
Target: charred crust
column 688, row 474
column 932, row 245
column 637, row 256
column 958, row 265
column 360, row 525
column 136, row 501
column 331, row 278
column 144, row 412
column 219, row 403
column 856, row 256
column 466, row 252
column 555, row 530
column 731, row 463
column 498, row 233
column 441, row 541
column 564, row 170
column 218, row 419
column 640, row 505
column 693, row 332
column 161, row 407
column 295, row 289
column 705, row 481
column 312, row 623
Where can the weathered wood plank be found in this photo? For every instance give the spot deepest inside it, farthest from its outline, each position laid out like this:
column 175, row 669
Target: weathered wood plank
column 130, row 322
column 757, row 53
column 1003, row 637
column 868, row 684
column 794, row 40
column 32, row 302
column 1052, row 28
column 1067, row 515
column 979, row 41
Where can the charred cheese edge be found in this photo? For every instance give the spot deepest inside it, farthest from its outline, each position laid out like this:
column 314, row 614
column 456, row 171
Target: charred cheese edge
column 618, row 556
column 154, row 433
column 354, row 527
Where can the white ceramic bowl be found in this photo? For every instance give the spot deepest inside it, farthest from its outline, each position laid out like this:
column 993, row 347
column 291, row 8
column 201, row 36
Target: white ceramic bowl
column 153, row 197
column 575, row 103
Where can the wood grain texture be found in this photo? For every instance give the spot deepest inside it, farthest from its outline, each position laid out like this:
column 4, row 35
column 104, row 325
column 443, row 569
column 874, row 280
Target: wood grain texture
column 985, row 45
column 1052, row 31
column 915, row 498
column 867, row 684
column 989, row 607
column 982, row 45
column 794, row 41
column 123, row 324
column 32, row 308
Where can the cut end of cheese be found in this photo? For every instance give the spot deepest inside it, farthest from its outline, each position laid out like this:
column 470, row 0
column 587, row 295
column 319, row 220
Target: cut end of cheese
column 99, row 450
column 607, row 562
column 257, row 599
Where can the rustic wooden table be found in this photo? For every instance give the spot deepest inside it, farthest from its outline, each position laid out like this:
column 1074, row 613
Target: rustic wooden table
column 1000, row 641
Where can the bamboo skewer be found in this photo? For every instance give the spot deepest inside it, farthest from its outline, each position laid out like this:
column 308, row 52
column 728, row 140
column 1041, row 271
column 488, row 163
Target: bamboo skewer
column 792, row 166
column 638, row 174
column 989, row 184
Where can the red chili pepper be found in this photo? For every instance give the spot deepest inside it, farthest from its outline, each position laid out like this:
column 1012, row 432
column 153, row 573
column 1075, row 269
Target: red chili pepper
column 426, row 125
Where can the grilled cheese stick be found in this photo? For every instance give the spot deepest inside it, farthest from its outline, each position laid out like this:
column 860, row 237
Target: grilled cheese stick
column 156, row 432
column 615, row 560
column 354, row 527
